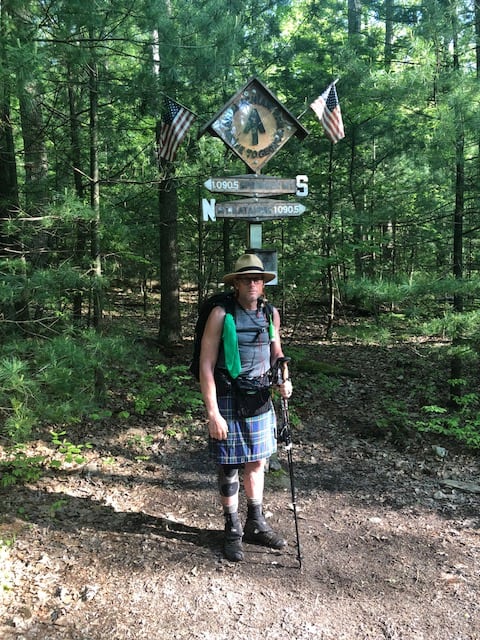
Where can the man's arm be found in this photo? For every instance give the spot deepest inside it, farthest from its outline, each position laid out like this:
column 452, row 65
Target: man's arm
column 276, row 352
column 212, row 336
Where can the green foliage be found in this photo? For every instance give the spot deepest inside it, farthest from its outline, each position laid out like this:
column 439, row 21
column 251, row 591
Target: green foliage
column 164, row 388
column 53, row 382
column 366, row 333
column 19, row 468
column 464, row 327
column 47, row 291
column 420, row 292
column 393, row 417
column 307, row 374
column 462, row 424
column 17, row 390
column 56, row 506
column 142, row 441
column 70, row 452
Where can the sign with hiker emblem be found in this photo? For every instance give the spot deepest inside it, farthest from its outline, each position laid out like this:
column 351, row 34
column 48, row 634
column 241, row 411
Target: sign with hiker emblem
column 255, row 125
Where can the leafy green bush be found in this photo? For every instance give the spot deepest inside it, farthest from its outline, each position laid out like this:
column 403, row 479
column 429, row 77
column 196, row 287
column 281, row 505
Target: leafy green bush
column 70, row 452
column 53, row 381
column 164, row 388
column 17, row 392
column 463, row 424
column 17, row 467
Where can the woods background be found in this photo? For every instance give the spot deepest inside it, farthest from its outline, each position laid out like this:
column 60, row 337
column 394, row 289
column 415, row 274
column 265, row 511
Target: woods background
column 89, row 214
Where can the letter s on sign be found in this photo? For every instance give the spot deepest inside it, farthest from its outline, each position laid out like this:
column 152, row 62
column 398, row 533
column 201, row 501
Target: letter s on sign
column 302, row 186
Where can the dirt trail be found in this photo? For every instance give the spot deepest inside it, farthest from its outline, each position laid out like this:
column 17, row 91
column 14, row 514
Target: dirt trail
column 129, row 544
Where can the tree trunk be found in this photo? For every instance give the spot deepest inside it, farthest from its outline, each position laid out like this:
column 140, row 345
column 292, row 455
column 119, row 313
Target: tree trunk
column 76, row 162
column 10, row 247
column 97, row 290
column 477, row 36
column 358, row 207
column 388, row 33
column 36, row 167
column 227, row 256
column 169, row 332
column 95, row 194
column 8, row 176
column 456, row 368
column 477, row 60
column 328, row 250
column 354, row 16
column 354, row 28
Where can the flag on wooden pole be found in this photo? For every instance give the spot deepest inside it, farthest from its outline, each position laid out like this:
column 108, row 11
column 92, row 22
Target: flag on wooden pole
column 176, row 121
column 327, row 108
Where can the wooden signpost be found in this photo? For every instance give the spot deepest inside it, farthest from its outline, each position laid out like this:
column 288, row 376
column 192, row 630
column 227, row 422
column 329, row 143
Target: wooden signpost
column 254, row 125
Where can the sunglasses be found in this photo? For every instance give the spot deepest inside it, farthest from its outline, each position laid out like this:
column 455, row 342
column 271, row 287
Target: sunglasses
column 249, row 279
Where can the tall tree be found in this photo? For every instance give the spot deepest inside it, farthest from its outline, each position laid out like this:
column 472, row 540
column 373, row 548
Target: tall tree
column 8, row 169
column 94, row 179
column 10, row 243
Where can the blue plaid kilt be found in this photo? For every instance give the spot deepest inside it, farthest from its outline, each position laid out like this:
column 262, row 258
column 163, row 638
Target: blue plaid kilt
column 249, row 439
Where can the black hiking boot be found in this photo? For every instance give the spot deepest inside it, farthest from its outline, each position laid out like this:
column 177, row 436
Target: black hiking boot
column 257, row 531
column 232, row 544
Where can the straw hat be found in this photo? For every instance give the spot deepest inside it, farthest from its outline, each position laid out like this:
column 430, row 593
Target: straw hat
column 249, row 265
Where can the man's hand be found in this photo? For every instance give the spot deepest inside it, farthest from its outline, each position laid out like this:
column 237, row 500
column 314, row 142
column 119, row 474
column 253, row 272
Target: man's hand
column 284, row 384
column 217, row 427
column 286, row 389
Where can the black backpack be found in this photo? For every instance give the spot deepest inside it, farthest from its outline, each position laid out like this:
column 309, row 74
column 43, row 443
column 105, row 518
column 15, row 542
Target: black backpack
column 225, row 299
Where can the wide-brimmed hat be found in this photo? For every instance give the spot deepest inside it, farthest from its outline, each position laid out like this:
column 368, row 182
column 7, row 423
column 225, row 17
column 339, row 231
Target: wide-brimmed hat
column 249, row 265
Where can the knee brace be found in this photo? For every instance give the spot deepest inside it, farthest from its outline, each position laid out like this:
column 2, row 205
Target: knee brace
column 228, row 480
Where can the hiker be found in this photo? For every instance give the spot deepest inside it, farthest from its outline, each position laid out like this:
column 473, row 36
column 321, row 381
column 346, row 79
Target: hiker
column 242, row 426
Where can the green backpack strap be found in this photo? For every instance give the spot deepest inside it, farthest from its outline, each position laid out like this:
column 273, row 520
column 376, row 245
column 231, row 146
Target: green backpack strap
column 271, row 326
column 230, row 346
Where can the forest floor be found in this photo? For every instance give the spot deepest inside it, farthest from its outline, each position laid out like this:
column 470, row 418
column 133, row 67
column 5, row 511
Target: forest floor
column 128, row 543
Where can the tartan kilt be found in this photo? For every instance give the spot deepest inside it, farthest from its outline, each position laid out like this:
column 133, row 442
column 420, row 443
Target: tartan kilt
column 249, row 439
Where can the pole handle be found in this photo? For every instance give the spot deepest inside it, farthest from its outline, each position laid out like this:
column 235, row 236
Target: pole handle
column 282, row 368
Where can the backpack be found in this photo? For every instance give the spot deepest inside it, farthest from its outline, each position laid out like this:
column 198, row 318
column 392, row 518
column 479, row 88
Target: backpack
column 225, row 299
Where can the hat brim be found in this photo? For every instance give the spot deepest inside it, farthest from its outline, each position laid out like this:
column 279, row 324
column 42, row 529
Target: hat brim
column 266, row 275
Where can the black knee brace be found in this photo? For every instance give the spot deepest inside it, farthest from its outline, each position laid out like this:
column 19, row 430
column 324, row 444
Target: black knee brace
column 228, row 480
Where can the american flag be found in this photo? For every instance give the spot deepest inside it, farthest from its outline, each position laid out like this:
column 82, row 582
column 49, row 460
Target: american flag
column 327, row 108
column 176, row 121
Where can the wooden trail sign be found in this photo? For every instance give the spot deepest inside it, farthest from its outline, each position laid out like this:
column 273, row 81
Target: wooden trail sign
column 258, row 185
column 254, row 125
column 251, row 209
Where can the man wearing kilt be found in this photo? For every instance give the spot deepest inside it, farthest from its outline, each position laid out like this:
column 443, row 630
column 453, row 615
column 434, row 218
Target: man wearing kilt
column 242, row 437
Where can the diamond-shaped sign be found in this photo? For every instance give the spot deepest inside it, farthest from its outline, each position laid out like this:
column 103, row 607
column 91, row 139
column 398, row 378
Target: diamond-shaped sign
column 254, row 124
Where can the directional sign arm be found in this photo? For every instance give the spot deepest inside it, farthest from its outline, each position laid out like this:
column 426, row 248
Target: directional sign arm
column 258, row 209
column 258, row 185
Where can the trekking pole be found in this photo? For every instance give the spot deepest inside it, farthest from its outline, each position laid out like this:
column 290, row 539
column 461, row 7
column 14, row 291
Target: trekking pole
column 285, row 436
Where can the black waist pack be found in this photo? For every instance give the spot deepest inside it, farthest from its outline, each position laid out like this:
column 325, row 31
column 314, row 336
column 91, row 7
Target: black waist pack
column 251, row 395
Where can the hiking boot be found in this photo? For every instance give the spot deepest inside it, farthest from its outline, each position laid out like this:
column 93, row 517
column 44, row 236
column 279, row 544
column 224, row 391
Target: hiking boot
column 259, row 532
column 232, row 544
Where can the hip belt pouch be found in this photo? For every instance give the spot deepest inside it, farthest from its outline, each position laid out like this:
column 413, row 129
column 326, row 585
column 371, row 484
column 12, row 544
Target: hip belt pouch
column 252, row 396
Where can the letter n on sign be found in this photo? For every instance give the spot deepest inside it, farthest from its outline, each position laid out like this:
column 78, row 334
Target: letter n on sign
column 208, row 209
